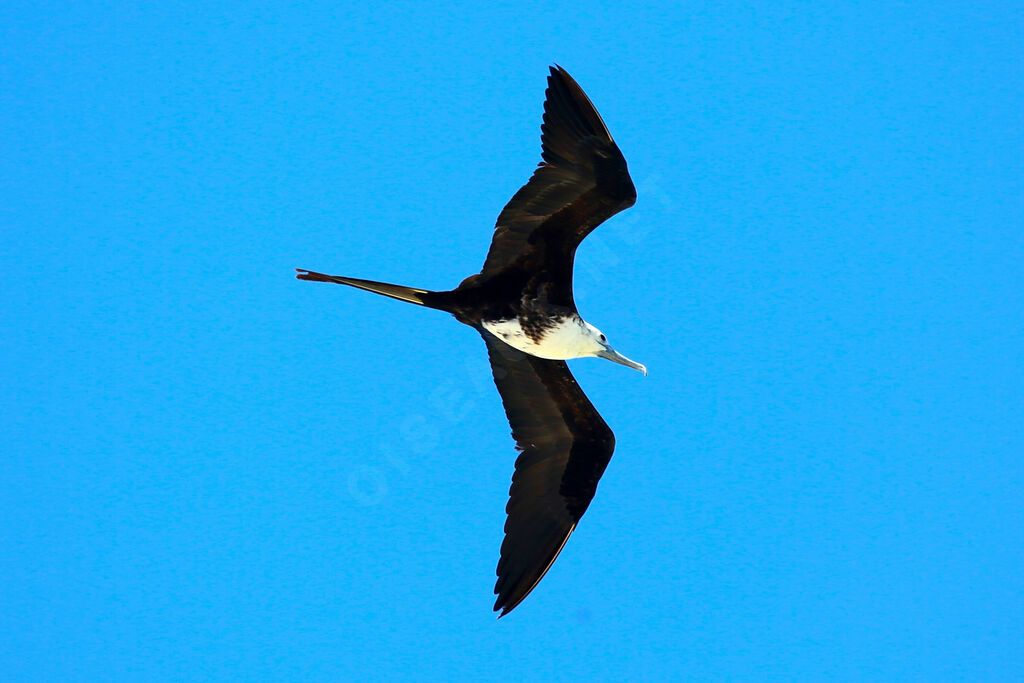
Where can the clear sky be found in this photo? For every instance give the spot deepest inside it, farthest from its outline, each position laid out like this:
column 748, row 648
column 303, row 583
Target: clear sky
column 211, row 470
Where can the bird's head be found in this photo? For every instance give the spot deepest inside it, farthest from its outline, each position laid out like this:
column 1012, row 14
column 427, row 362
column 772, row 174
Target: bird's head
column 600, row 348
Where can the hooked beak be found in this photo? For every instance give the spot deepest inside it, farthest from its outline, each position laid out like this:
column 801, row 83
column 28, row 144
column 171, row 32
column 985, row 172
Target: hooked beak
column 616, row 357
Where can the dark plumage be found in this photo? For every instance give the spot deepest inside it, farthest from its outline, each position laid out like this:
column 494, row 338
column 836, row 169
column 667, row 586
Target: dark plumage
column 524, row 293
column 564, row 448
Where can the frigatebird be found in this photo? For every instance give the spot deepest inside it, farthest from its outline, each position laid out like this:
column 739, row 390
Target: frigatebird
column 521, row 302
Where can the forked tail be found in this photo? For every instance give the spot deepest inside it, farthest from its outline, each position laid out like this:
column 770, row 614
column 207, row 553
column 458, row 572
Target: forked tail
column 410, row 294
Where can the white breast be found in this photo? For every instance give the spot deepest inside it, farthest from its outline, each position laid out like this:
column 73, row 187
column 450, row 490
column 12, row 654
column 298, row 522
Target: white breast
column 567, row 339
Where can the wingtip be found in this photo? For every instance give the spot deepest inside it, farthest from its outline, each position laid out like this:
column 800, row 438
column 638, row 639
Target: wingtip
column 505, row 608
column 502, row 604
column 558, row 71
column 507, row 599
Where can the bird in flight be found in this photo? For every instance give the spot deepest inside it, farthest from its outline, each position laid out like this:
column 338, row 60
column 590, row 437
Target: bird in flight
column 521, row 303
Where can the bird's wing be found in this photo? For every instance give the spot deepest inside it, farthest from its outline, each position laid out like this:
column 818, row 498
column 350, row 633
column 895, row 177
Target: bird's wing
column 581, row 182
column 564, row 448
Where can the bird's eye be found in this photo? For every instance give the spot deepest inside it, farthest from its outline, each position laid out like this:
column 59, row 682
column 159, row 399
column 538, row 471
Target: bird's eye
column 604, row 338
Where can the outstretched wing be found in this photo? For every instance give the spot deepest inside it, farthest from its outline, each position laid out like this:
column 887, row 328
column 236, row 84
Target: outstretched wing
column 582, row 181
column 564, row 449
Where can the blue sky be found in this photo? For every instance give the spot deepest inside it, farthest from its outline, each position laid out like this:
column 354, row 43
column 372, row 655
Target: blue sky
column 214, row 471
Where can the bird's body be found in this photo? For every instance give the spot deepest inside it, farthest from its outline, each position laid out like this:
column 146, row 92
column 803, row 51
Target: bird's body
column 554, row 337
column 522, row 304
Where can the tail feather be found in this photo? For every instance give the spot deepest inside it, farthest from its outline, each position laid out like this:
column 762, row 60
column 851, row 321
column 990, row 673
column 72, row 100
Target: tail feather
column 410, row 294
